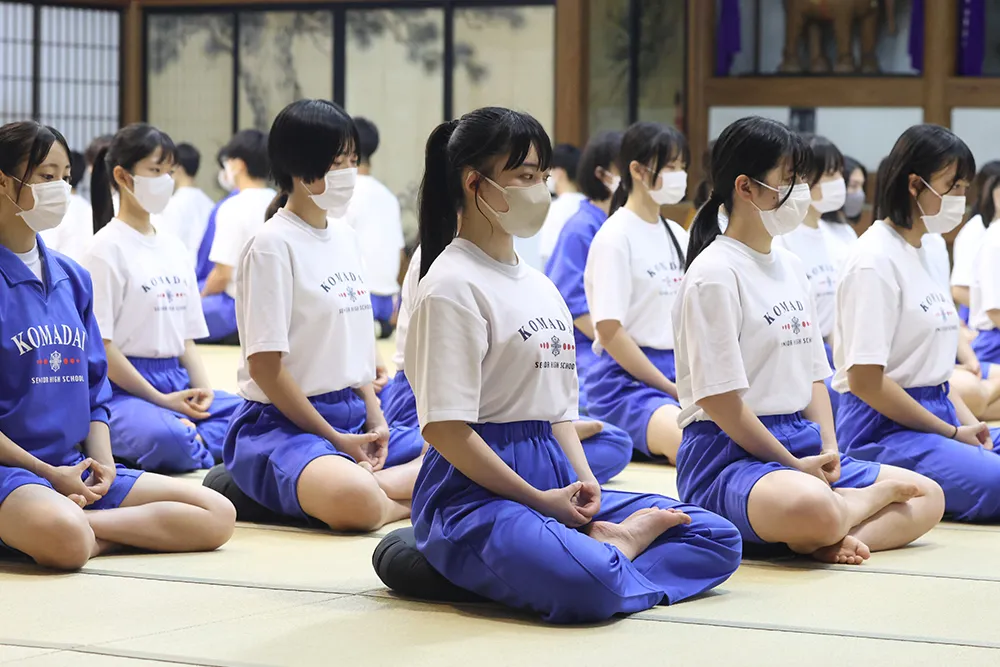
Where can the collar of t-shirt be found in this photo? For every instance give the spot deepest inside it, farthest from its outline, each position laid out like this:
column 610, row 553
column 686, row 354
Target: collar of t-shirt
column 516, row 271
column 765, row 259
column 133, row 234
column 33, row 260
column 322, row 234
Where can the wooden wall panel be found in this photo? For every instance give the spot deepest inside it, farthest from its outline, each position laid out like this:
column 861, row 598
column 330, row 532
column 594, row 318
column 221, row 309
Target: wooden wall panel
column 133, row 76
column 572, row 71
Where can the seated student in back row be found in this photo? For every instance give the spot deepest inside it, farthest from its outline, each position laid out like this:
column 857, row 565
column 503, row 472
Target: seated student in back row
column 55, row 449
column 164, row 416
column 74, row 233
column 186, row 215
column 245, row 162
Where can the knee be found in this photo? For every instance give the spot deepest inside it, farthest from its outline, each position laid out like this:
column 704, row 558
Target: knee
column 821, row 517
column 716, row 536
column 356, row 505
column 66, row 540
column 217, row 529
column 932, row 500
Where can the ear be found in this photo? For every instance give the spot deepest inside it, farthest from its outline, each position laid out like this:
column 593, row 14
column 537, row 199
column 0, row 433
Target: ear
column 741, row 188
column 471, row 181
column 637, row 172
column 916, row 186
column 122, row 178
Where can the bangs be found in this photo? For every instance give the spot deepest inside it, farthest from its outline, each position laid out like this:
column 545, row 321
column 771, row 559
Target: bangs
column 157, row 139
column 308, row 135
column 669, row 146
column 826, row 157
column 524, row 132
column 800, row 156
column 965, row 163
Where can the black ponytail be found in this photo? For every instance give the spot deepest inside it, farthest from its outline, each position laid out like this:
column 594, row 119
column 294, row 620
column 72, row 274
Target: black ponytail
column 750, row 147
column 131, row 145
column 475, row 140
column 279, row 201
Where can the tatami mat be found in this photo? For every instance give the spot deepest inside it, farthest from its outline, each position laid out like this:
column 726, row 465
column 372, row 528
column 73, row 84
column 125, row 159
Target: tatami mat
column 278, row 595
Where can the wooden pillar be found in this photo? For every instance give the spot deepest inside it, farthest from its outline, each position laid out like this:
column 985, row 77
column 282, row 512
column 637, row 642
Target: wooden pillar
column 700, row 63
column 940, row 46
column 572, row 72
column 132, row 76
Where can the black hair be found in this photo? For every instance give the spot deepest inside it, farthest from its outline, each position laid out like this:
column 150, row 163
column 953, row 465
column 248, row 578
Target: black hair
column 96, row 146
column 567, row 158
column 368, row 139
column 704, row 189
column 751, row 146
column 650, row 144
column 986, row 181
column 305, row 139
column 189, row 159
column 923, row 150
column 77, row 168
column 600, row 151
column 850, row 165
column 131, row 145
column 251, row 146
column 28, row 143
column 826, row 158
column 474, row 140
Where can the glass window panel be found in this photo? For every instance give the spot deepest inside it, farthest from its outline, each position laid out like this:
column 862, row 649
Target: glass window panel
column 977, row 128
column 860, row 42
column 609, row 61
column 394, row 77
column 662, row 54
column 284, row 56
column 16, row 61
column 189, row 84
column 979, row 38
column 79, row 72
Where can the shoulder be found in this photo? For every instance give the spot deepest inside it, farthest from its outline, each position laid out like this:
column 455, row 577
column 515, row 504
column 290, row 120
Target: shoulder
column 77, row 277
column 713, row 265
column 105, row 245
column 614, row 231
column 678, row 230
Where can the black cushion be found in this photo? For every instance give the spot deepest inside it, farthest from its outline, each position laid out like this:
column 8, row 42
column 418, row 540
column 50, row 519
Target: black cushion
column 247, row 509
column 405, row 570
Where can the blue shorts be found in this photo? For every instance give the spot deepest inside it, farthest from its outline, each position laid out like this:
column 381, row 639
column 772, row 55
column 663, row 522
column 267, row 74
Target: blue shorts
column 520, row 558
column 220, row 316
column 266, row 453
column 969, row 476
column 383, row 306
column 986, row 345
column 608, row 452
column 834, row 395
column 615, row 397
column 717, row 474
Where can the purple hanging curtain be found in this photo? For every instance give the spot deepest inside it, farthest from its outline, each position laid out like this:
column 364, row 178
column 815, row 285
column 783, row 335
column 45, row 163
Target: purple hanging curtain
column 727, row 36
column 972, row 37
column 917, row 35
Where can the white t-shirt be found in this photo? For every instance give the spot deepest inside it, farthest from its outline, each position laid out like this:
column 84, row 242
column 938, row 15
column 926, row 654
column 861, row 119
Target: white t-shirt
column 146, row 297
column 984, row 289
column 490, row 343
column 892, row 312
column 235, row 222
column 33, row 260
column 841, row 231
column 562, row 209
column 935, row 249
column 812, row 246
column 186, row 217
column 633, row 274
column 746, row 322
column 301, row 293
column 75, row 232
column 374, row 214
column 407, row 296
column 967, row 244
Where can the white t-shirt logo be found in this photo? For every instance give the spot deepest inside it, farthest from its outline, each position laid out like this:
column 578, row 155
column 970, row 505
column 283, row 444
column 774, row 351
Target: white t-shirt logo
column 939, row 304
column 55, row 361
column 556, row 346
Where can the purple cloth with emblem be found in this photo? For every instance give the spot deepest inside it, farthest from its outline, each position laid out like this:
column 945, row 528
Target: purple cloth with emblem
column 727, row 36
column 972, row 37
column 917, row 35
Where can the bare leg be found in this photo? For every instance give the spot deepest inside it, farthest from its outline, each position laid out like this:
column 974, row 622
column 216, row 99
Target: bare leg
column 48, row 527
column 859, row 505
column 902, row 522
column 634, row 535
column 164, row 514
column 345, row 496
column 663, row 435
column 974, row 391
column 398, row 481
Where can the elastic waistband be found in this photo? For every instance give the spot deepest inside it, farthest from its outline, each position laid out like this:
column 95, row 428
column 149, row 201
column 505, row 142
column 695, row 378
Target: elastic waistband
column 339, row 396
column 938, row 392
column 155, row 365
column 513, row 431
column 769, row 421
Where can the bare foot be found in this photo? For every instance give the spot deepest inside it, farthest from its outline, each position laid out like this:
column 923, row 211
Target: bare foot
column 849, row 551
column 587, row 429
column 186, row 422
column 902, row 491
column 634, row 535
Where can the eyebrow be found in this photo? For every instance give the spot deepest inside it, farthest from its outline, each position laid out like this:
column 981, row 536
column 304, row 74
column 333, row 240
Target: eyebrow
column 529, row 165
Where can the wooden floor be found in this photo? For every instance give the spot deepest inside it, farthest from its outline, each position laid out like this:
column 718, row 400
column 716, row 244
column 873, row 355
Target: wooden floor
column 282, row 596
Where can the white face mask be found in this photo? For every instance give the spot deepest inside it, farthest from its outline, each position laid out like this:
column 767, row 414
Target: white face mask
column 673, row 185
column 337, row 191
column 949, row 217
column 834, row 196
column 613, row 185
column 153, row 192
column 226, row 181
column 51, row 202
column 789, row 215
column 550, row 183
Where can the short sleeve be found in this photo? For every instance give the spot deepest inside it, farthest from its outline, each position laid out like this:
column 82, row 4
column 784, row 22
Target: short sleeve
column 567, row 265
column 227, row 244
column 609, row 278
column 820, row 364
column 964, row 250
column 445, row 347
column 710, row 326
column 108, row 293
column 867, row 311
column 97, row 363
column 396, row 219
column 988, row 268
column 265, row 301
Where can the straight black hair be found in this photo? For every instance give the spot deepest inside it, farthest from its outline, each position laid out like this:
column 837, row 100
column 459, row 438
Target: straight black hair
column 826, row 158
column 130, row 146
column 850, row 165
column 751, row 146
column 567, row 158
column 250, row 146
column 601, row 151
column 987, row 180
column 97, row 145
column 27, row 143
column 189, row 159
column 923, row 150
column 77, row 168
column 474, row 140
column 305, row 140
column 368, row 139
column 704, row 188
